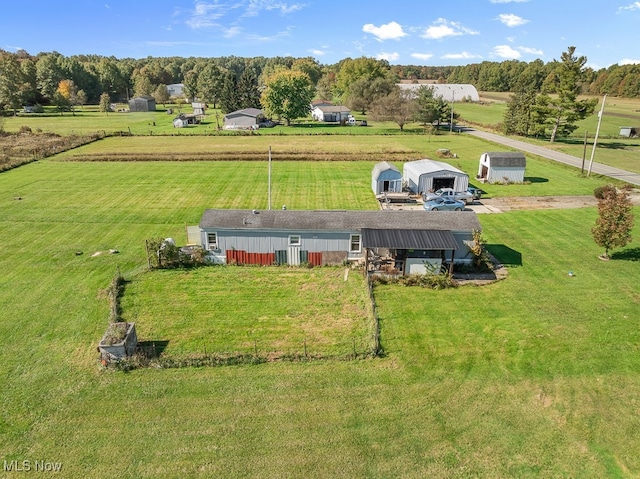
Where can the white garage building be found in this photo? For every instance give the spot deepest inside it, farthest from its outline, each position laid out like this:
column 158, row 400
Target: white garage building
column 422, row 176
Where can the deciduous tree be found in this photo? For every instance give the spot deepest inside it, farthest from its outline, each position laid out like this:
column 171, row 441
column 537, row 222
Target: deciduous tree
column 615, row 219
column 105, row 103
column 398, row 106
column 10, row 82
column 287, row 94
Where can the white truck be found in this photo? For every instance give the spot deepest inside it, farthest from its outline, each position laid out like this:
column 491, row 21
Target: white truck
column 465, row 196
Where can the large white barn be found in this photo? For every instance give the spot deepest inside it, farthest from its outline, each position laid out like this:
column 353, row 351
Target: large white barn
column 450, row 92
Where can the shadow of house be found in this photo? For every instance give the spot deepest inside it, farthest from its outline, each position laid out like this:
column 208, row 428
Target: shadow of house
column 505, row 255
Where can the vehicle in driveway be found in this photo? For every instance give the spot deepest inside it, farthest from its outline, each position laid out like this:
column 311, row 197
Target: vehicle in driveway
column 449, row 193
column 443, row 204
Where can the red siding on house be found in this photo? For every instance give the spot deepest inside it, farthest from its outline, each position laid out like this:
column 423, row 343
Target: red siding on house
column 242, row 257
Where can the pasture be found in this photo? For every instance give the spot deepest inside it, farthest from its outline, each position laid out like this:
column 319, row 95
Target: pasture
column 534, row 376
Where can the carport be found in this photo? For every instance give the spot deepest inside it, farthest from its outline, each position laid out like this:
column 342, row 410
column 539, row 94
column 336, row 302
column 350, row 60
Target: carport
column 408, row 250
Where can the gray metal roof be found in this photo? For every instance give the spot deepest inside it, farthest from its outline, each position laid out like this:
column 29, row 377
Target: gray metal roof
column 428, row 166
column 448, row 91
column 383, row 166
column 409, row 239
column 507, row 158
column 339, row 220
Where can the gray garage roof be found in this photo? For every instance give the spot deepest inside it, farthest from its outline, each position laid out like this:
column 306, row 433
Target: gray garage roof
column 507, row 159
column 408, row 239
column 339, row 220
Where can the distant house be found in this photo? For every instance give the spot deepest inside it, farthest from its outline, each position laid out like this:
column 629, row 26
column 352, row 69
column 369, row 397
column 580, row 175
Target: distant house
column 248, row 118
column 386, row 178
column 330, row 113
column 502, row 166
column 450, row 92
column 175, row 90
column 409, row 239
column 142, row 103
column 426, row 175
column 180, row 122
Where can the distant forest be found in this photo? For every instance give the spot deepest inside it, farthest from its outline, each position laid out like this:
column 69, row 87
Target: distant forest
column 27, row 79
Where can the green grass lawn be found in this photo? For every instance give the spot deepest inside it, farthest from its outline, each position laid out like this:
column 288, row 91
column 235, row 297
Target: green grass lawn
column 273, row 312
column 534, row 376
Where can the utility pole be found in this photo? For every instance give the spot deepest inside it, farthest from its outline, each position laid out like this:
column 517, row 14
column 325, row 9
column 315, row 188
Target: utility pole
column 595, row 140
column 269, row 193
column 453, row 100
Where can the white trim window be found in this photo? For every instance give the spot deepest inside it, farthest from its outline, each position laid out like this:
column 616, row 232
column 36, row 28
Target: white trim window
column 295, row 240
column 212, row 241
column 355, row 243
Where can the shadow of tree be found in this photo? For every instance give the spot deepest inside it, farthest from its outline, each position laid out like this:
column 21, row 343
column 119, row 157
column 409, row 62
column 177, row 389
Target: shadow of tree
column 631, row 254
column 536, row 179
column 505, row 255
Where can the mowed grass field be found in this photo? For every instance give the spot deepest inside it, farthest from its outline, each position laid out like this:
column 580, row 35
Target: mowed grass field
column 534, row 376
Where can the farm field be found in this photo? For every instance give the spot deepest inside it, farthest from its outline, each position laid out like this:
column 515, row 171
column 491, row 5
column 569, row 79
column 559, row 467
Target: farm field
column 334, row 155
column 534, row 376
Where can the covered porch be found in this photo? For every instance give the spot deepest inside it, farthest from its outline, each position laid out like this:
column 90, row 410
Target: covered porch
column 403, row 252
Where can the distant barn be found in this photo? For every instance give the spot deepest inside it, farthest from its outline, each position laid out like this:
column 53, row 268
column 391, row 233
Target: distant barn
column 426, row 175
column 450, row 92
column 502, row 167
column 629, row 131
column 386, row 178
column 142, row 103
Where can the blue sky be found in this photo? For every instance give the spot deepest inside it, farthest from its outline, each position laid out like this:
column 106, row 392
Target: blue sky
column 417, row 32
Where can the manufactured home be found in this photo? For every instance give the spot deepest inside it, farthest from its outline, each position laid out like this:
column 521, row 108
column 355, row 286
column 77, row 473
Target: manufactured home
column 422, row 176
column 409, row 239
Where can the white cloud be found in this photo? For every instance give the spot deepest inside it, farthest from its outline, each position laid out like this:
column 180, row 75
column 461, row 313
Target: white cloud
column 422, row 56
column 317, row 53
column 204, row 15
column 509, row 1
column 633, row 6
column 389, row 31
column 460, row 56
column 629, row 61
column 531, row 51
column 511, row 20
column 505, row 51
column 254, row 7
column 390, row 57
column 443, row 28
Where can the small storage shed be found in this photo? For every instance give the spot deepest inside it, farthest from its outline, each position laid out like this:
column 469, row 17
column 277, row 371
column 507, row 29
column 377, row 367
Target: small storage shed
column 142, row 103
column 330, row 113
column 502, row 167
column 386, row 178
column 629, row 131
column 426, row 175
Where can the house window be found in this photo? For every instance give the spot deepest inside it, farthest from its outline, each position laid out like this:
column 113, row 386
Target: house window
column 212, row 241
column 295, row 240
column 355, row 243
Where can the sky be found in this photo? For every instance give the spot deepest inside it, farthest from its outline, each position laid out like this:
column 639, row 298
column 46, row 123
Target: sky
column 417, row 32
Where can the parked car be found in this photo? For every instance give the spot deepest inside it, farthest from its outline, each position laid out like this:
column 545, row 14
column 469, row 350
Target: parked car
column 443, row 204
column 464, row 196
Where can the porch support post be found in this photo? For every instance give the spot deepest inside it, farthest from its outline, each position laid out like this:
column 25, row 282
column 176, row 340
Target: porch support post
column 453, row 253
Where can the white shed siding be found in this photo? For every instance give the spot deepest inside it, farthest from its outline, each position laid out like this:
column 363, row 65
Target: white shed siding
column 386, row 175
column 503, row 171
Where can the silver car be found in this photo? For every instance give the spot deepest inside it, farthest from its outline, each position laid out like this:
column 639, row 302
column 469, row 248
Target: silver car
column 443, row 204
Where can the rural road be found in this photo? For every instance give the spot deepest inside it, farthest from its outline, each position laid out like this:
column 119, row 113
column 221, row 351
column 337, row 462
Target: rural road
column 600, row 169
